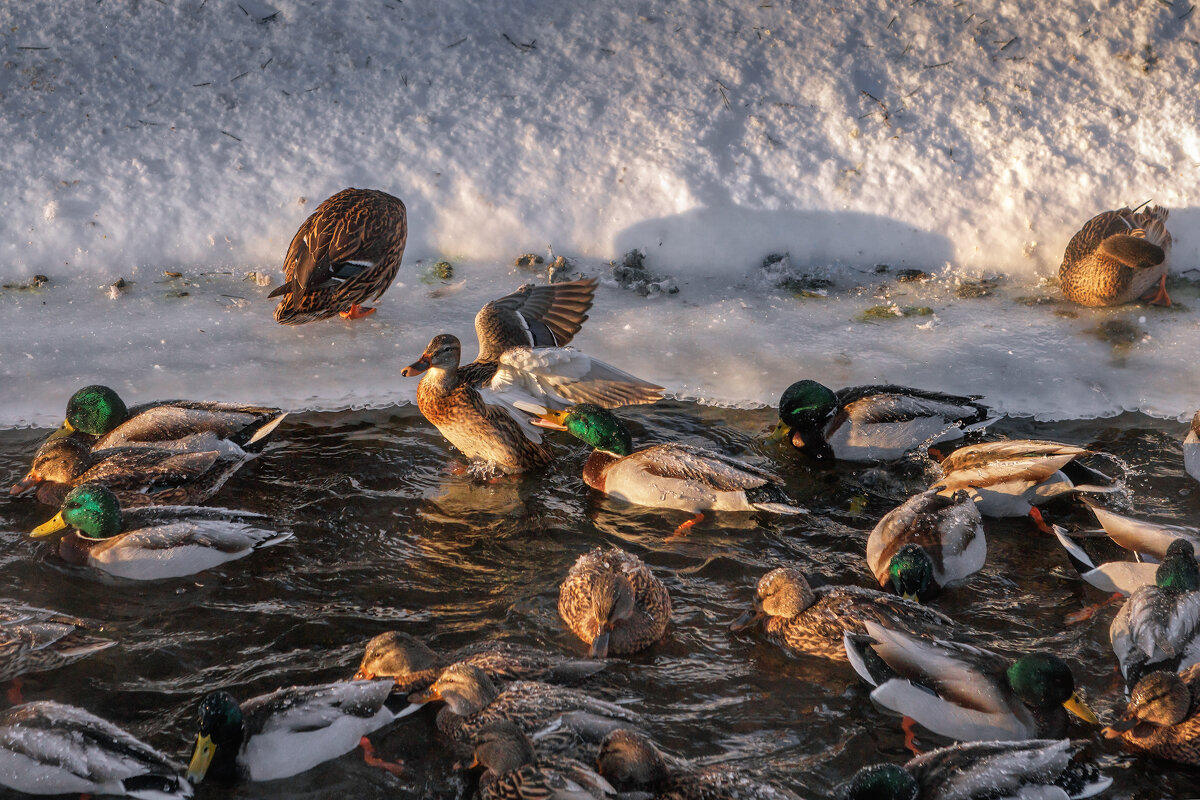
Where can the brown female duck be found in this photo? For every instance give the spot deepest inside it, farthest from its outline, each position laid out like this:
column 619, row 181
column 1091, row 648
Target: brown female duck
column 512, row 770
column 1118, row 257
column 1163, row 717
column 346, row 253
column 521, row 360
column 813, row 622
column 612, row 601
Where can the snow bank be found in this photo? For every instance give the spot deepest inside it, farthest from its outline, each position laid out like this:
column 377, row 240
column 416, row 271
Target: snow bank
column 960, row 138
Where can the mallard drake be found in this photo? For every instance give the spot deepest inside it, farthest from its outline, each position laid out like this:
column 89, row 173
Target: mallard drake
column 668, row 475
column 1118, row 257
column 521, row 359
column 1146, row 539
column 289, row 731
column 1045, row 769
column 513, row 771
column 98, row 411
column 802, row 620
column 1011, row 478
column 413, row 665
column 871, row 423
column 1163, row 716
column 1191, row 448
column 964, row 692
column 151, row 543
column 138, row 476
column 1159, row 625
column 52, row 748
column 36, row 640
column 346, row 253
column 927, row 543
column 631, row 762
column 612, row 601
column 473, row 700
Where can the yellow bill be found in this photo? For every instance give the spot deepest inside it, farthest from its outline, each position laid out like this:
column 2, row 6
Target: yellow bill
column 202, row 756
column 782, row 429
column 47, row 528
column 1076, row 706
column 66, row 429
column 554, row 420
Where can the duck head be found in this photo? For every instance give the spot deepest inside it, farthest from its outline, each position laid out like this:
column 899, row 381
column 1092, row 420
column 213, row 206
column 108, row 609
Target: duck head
column 629, row 759
column 804, row 409
column 501, row 747
column 612, row 603
column 218, row 737
column 464, row 688
column 1160, row 699
column 1043, row 680
column 591, row 424
column 910, row 573
column 395, row 655
column 58, row 460
column 880, row 782
column 92, row 509
column 782, row 592
column 94, row 410
column 443, row 352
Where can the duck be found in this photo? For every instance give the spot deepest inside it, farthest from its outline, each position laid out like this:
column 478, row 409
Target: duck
column 522, row 358
column 1046, row 769
column 1011, row 478
column 151, row 543
column 1162, row 718
column 138, row 476
column 1191, row 448
column 630, row 762
column 613, row 602
column 806, row 621
column 37, row 640
column 513, row 770
column 53, row 748
column 97, row 414
column 927, row 543
column 473, row 700
column 871, row 423
column 290, row 730
column 670, row 475
column 1159, row 625
column 345, row 254
column 413, row 665
column 1149, row 541
column 964, row 692
column 1118, row 257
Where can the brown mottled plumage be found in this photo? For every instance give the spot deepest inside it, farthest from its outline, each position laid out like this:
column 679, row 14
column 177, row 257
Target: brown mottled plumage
column 1118, row 257
column 629, row 761
column 612, row 601
column 32, row 640
column 138, row 476
column 414, row 665
column 346, row 253
column 803, row 621
column 1163, row 717
column 514, row 771
column 473, row 700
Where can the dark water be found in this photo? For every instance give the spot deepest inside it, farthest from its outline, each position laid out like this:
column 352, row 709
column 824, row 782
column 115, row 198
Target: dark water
column 388, row 537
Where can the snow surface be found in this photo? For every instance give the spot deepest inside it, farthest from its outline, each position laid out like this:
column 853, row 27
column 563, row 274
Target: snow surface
column 961, row 138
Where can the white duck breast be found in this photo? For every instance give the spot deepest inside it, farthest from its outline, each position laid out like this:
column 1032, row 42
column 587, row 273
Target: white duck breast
column 293, row 730
column 51, row 748
column 688, row 478
column 205, row 539
column 1155, row 625
column 969, row 706
column 950, row 532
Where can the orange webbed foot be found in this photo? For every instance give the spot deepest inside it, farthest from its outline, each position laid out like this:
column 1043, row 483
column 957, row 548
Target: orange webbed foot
column 1158, row 296
column 1039, row 521
column 1087, row 612
column 372, row 760
column 910, row 735
column 683, row 528
column 356, row 312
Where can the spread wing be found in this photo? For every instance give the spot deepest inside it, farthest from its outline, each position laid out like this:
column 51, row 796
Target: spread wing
column 560, row 377
column 533, row 316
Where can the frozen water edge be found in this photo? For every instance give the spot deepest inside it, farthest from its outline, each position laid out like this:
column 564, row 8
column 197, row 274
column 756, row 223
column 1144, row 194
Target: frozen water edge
column 719, row 340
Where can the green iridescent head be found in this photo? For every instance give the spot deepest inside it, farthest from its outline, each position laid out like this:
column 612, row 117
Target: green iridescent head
column 911, row 573
column 880, row 782
column 806, row 404
column 1043, row 680
column 592, row 424
column 91, row 509
column 218, row 737
column 1178, row 571
column 95, row 410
